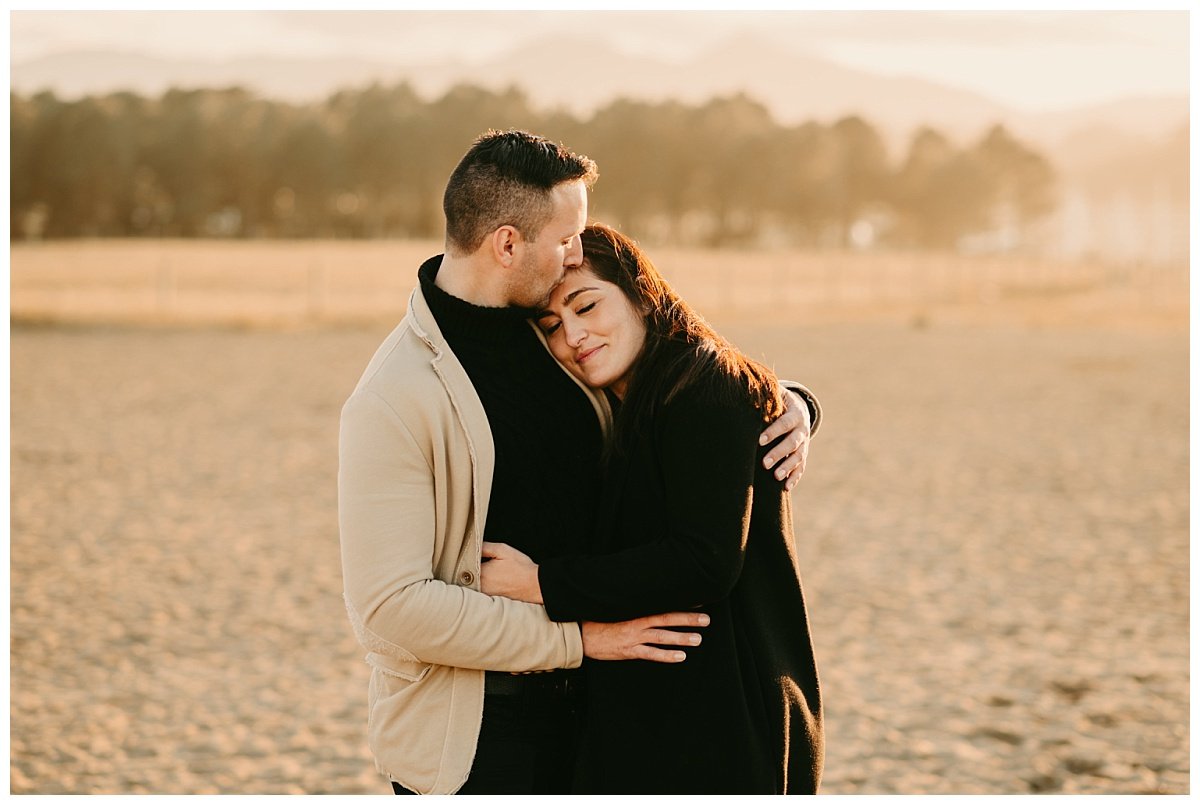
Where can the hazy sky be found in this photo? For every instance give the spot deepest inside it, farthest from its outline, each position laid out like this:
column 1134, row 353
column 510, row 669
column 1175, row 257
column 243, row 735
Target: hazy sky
column 1065, row 57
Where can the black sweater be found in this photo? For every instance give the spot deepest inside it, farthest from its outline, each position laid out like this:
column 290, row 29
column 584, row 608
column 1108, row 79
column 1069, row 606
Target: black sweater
column 548, row 440
column 691, row 519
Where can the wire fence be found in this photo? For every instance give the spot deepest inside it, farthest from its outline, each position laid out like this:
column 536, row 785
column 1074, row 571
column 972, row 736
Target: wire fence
column 329, row 282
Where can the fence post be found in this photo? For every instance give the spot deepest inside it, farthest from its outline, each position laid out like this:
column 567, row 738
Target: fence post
column 316, row 276
column 165, row 276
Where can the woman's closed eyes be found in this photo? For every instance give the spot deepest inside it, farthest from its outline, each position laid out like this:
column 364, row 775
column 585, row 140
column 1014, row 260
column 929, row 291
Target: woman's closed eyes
column 551, row 323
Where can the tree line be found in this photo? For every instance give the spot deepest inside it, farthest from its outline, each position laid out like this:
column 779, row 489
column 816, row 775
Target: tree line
column 372, row 162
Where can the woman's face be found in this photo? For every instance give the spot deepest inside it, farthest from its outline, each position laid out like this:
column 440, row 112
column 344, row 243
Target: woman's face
column 594, row 330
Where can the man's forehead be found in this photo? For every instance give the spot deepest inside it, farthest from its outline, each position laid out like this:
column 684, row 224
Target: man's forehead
column 570, row 209
column 570, row 193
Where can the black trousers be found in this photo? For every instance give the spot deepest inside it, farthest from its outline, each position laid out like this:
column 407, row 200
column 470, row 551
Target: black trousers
column 528, row 740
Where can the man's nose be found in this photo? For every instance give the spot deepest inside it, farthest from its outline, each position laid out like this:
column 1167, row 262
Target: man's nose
column 574, row 253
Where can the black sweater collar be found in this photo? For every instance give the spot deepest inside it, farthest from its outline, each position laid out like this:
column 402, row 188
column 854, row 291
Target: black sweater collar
column 459, row 318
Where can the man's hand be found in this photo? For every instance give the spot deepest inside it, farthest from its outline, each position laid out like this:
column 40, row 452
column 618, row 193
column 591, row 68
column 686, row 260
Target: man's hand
column 509, row 573
column 791, row 454
column 639, row 639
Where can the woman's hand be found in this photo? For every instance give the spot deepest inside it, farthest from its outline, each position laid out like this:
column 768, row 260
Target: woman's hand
column 510, row 573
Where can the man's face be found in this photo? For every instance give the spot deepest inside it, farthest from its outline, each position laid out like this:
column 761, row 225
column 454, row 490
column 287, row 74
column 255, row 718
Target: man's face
column 544, row 262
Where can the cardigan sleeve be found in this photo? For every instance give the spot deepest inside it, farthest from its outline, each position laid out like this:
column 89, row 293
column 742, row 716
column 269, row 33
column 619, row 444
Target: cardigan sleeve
column 708, row 454
column 387, row 511
column 810, row 399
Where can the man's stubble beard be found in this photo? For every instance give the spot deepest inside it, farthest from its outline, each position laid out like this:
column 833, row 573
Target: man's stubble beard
column 526, row 291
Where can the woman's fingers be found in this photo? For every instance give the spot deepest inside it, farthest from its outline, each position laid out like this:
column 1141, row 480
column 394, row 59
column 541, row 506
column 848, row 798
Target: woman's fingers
column 494, row 550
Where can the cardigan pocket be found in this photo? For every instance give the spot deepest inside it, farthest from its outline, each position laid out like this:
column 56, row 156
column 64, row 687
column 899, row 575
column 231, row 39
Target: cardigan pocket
column 404, row 669
column 394, row 678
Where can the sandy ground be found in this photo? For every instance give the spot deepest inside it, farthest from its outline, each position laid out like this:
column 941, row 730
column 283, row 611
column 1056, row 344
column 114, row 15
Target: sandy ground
column 993, row 529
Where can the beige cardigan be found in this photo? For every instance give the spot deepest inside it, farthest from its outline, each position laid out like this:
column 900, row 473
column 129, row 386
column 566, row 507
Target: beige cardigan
column 415, row 472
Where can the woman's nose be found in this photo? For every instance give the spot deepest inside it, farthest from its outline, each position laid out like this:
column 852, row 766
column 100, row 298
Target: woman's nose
column 575, row 334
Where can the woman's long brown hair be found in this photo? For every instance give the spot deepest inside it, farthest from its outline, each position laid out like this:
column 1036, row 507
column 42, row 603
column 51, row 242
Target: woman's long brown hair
column 680, row 348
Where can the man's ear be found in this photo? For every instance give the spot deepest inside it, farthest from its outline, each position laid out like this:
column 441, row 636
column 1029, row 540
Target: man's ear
column 506, row 243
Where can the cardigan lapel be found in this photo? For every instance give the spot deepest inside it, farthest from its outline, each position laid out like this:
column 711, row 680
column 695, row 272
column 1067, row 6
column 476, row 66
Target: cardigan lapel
column 465, row 401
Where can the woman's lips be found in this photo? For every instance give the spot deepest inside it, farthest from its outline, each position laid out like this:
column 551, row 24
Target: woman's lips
column 589, row 353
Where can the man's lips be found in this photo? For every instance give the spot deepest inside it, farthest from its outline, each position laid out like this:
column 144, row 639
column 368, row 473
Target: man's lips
column 589, row 353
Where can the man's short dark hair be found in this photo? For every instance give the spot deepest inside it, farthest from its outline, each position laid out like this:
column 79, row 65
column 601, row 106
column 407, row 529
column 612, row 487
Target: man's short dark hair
column 505, row 179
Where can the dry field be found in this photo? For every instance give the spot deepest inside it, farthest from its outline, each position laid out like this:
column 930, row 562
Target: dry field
column 259, row 284
column 993, row 528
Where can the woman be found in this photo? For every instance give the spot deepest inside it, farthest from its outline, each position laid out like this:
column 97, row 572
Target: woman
column 686, row 523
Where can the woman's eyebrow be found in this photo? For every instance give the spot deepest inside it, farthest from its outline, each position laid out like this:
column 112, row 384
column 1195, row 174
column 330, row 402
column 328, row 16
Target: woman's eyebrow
column 576, row 293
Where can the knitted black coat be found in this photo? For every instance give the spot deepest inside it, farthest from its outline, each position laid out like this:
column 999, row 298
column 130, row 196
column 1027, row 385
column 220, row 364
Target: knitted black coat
column 692, row 520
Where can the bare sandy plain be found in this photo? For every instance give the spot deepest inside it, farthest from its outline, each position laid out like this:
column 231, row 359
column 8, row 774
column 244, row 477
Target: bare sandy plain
column 993, row 527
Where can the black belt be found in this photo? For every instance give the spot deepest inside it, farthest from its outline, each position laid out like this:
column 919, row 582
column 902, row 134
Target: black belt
column 561, row 682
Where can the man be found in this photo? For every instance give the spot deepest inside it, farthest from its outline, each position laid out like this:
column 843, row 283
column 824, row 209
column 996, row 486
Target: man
column 463, row 428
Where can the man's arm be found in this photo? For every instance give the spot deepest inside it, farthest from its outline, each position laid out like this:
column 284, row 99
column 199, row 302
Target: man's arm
column 387, row 510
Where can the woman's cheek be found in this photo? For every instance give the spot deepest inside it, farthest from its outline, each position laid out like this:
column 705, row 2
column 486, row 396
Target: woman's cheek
column 558, row 347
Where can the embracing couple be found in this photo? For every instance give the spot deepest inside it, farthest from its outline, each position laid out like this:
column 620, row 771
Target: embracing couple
column 565, row 522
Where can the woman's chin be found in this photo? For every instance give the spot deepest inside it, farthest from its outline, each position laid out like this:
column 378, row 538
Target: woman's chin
column 594, row 383
column 583, row 378
column 597, row 381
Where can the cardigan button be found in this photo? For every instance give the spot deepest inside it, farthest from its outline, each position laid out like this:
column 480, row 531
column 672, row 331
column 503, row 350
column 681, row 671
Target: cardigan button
column 467, row 577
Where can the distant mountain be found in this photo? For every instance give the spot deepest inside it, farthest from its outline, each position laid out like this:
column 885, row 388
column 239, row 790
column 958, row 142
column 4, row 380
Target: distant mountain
column 79, row 73
column 581, row 75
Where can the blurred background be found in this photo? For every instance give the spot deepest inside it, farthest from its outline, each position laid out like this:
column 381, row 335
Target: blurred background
column 967, row 232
